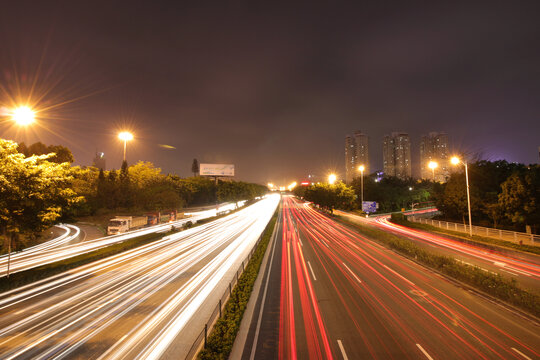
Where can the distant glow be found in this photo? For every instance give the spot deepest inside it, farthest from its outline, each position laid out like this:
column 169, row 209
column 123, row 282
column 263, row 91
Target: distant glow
column 125, row 136
column 410, row 188
column 305, row 183
column 361, row 168
column 270, row 185
column 455, row 160
column 332, row 178
column 164, row 146
column 23, row 115
column 432, row 165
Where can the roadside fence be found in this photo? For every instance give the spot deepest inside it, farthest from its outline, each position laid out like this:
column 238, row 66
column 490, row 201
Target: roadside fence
column 200, row 341
column 512, row 236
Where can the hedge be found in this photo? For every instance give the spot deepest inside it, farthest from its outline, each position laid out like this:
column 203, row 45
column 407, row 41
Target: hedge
column 220, row 342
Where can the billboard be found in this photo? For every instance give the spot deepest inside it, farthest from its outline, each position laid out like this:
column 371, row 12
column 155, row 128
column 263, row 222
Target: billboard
column 216, row 169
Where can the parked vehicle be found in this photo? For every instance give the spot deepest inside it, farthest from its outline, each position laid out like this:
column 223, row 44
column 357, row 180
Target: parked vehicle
column 122, row 224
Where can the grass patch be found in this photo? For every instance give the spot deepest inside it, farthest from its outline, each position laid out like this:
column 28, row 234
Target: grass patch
column 495, row 285
column 475, row 239
column 221, row 339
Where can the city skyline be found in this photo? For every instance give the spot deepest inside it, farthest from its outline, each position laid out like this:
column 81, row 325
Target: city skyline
column 252, row 96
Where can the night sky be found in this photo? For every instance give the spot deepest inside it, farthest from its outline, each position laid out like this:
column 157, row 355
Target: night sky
column 272, row 87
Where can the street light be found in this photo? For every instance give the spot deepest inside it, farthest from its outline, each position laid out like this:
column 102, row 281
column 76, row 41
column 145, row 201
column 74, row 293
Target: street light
column 361, row 168
column 332, row 178
column 125, row 137
column 455, row 161
column 23, row 115
column 433, row 165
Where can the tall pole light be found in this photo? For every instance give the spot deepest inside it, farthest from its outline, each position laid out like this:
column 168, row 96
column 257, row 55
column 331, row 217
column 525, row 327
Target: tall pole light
column 361, row 168
column 433, row 165
column 332, row 178
column 125, row 137
column 22, row 116
column 455, row 161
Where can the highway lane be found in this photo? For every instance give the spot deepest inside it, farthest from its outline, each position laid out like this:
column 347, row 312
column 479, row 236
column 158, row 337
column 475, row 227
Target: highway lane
column 63, row 247
column 148, row 303
column 344, row 296
column 523, row 267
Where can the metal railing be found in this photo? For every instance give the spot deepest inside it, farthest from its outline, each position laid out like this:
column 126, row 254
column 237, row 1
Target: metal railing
column 512, row 236
column 200, row 341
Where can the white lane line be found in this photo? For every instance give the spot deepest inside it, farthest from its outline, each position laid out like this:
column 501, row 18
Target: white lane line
column 324, row 242
column 353, row 274
column 510, row 272
column 342, row 350
column 498, row 263
column 312, row 273
column 522, row 354
column 401, row 276
column 424, row 351
column 300, row 241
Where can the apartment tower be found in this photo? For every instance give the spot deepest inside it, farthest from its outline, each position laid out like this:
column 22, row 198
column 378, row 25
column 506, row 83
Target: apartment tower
column 356, row 154
column 434, row 147
column 397, row 155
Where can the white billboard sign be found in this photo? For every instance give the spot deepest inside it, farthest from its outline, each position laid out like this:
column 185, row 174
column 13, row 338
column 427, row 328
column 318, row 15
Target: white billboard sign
column 216, row 169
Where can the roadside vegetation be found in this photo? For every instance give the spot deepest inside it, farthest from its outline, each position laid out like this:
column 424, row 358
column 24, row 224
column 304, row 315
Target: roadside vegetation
column 221, row 339
column 39, row 188
column 507, row 290
column 491, row 242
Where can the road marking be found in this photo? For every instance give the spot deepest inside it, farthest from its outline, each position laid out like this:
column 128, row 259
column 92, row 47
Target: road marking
column 342, row 350
column 498, row 263
column 424, row 351
column 300, row 241
column 510, row 272
column 401, row 276
column 312, row 273
column 321, row 240
column 353, row 274
column 522, row 354
column 259, row 320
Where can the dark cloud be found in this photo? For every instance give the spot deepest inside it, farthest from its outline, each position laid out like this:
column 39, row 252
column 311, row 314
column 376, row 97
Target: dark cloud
column 275, row 88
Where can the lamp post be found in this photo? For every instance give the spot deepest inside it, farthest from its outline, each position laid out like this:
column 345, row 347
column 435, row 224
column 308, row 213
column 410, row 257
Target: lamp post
column 433, row 165
column 455, row 161
column 361, row 168
column 332, row 179
column 22, row 116
column 125, row 137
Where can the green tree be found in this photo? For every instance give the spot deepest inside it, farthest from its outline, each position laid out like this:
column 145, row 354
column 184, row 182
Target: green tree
column 59, row 155
column 33, row 192
column 520, row 197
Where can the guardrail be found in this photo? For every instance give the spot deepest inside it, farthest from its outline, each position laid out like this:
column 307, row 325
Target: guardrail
column 512, row 236
column 200, row 341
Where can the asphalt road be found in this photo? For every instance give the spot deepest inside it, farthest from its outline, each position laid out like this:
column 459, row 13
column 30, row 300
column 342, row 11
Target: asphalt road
column 75, row 241
column 331, row 293
column 524, row 267
column 150, row 302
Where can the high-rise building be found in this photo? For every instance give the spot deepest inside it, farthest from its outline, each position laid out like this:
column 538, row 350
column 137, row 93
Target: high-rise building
column 99, row 161
column 397, row 155
column 356, row 154
column 434, row 147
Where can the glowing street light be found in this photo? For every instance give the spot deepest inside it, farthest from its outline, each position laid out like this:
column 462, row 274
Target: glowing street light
column 456, row 161
column 125, row 137
column 433, row 165
column 23, row 115
column 332, row 178
column 361, row 168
